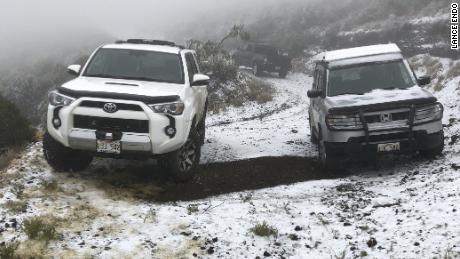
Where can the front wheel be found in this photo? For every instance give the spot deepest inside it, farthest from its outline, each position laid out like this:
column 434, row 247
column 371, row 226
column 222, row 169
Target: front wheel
column 62, row 158
column 432, row 152
column 182, row 164
column 329, row 161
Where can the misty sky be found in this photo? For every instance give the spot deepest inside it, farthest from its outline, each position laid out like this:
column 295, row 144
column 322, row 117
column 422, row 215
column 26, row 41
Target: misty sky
column 33, row 28
column 119, row 18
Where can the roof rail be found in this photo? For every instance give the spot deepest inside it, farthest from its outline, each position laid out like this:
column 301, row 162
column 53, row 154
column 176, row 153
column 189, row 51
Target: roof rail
column 150, row 42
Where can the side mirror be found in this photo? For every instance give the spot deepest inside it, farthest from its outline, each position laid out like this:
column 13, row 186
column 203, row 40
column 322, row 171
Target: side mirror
column 314, row 93
column 424, row 80
column 74, row 70
column 200, row 79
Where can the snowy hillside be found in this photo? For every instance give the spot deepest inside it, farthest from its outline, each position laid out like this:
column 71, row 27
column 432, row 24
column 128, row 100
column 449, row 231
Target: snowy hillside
column 405, row 207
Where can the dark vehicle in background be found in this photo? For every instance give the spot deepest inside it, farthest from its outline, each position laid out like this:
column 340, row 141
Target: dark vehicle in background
column 263, row 57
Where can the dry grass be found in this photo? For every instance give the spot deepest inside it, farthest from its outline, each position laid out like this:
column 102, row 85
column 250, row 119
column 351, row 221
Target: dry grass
column 41, row 228
column 247, row 89
column 453, row 71
column 8, row 250
column 16, row 206
column 260, row 91
column 264, row 230
column 50, row 186
column 9, row 155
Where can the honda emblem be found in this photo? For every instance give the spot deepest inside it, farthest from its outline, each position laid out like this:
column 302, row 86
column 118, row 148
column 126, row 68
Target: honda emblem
column 385, row 117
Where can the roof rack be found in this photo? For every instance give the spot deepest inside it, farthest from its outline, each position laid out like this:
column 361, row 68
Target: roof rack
column 150, row 42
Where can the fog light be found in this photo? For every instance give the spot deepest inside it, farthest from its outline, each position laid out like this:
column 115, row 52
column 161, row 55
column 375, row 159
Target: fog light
column 57, row 122
column 170, row 131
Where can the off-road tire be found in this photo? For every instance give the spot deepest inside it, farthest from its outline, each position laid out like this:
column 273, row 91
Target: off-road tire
column 256, row 69
column 330, row 161
column 313, row 135
column 182, row 164
column 201, row 128
column 432, row 152
column 62, row 158
column 282, row 73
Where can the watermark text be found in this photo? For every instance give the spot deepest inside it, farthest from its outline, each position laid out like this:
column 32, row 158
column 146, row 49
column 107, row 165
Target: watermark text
column 454, row 26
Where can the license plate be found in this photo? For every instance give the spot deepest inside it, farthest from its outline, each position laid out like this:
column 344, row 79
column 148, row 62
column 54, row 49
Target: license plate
column 388, row 147
column 109, row 146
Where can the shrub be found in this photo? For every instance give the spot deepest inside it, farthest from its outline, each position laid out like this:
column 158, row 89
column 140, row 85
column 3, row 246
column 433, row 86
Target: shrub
column 16, row 206
column 15, row 130
column 8, row 250
column 40, row 228
column 264, row 230
column 260, row 91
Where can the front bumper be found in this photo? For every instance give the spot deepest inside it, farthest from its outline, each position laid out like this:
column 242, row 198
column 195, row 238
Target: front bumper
column 152, row 141
column 359, row 147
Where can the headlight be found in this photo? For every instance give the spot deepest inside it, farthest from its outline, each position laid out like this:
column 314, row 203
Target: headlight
column 175, row 108
column 428, row 113
column 344, row 122
column 57, row 99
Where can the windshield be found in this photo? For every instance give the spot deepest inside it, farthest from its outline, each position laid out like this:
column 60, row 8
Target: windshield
column 266, row 50
column 136, row 65
column 367, row 77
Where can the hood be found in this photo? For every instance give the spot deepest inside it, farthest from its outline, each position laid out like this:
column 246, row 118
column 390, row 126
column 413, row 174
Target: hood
column 122, row 87
column 380, row 99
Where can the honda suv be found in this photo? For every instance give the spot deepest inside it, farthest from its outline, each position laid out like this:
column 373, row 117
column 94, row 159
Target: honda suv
column 132, row 99
column 366, row 101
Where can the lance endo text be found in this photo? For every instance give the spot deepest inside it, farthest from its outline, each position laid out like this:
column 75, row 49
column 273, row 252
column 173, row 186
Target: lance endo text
column 454, row 26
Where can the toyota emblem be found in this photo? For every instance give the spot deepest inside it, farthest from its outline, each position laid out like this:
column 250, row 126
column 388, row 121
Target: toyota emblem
column 110, row 107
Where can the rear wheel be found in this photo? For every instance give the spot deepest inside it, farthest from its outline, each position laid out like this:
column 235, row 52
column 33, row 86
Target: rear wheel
column 62, row 158
column 256, row 69
column 182, row 164
column 282, row 73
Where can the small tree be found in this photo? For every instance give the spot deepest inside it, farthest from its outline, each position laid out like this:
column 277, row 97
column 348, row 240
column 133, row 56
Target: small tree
column 216, row 61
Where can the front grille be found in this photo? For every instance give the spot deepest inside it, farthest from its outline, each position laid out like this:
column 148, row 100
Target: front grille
column 121, row 106
column 396, row 116
column 111, row 124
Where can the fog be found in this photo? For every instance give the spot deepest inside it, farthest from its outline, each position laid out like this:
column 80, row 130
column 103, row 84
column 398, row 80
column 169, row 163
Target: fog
column 47, row 25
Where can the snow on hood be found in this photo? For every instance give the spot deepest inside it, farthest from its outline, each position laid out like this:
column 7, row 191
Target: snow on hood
column 378, row 96
column 145, row 88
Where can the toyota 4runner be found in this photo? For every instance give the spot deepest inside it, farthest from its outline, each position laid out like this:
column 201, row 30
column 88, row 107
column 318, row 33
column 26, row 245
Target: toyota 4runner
column 135, row 98
column 368, row 100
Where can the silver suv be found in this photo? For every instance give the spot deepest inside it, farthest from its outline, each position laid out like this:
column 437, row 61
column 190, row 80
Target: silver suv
column 366, row 101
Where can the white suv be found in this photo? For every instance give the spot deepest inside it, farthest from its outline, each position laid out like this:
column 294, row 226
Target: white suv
column 132, row 99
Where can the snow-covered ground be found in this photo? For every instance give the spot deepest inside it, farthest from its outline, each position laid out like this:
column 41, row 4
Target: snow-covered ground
column 404, row 208
column 277, row 128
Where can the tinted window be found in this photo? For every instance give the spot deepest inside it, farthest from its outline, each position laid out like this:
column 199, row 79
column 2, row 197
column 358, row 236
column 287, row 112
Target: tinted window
column 367, row 77
column 191, row 66
column 266, row 50
column 136, row 65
